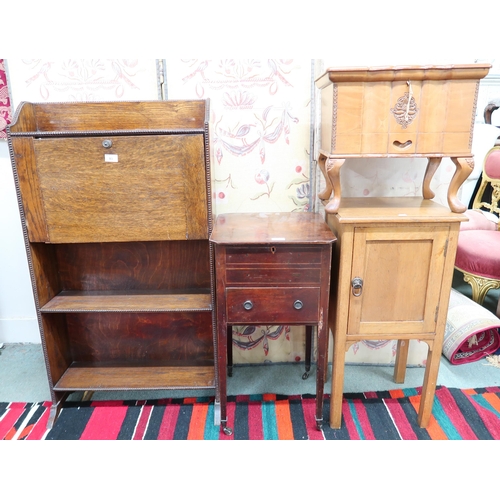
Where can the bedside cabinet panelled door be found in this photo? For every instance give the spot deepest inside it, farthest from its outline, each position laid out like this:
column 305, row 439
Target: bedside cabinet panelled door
column 396, row 280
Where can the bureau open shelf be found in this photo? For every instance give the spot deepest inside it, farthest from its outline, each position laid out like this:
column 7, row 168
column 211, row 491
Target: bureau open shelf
column 126, row 301
column 115, row 202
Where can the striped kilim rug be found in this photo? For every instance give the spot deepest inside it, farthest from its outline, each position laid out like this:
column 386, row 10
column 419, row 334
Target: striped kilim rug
column 467, row 414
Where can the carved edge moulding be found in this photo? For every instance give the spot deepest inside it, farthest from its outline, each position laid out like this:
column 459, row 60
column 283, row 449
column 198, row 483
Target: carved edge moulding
column 398, row 112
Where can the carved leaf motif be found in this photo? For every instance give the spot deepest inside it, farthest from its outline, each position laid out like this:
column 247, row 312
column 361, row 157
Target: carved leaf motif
column 404, row 112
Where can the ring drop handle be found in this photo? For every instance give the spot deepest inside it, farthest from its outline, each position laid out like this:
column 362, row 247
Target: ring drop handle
column 357, row 286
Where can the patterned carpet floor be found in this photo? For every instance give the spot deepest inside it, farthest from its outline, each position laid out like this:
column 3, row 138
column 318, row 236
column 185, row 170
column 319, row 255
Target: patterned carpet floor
column 458, row 414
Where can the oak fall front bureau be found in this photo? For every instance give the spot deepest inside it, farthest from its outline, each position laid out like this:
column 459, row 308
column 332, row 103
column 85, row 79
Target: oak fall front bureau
column 272, row 268
column 116, row 210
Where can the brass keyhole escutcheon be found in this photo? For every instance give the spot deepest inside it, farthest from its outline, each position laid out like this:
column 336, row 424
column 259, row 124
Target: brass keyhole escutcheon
column 273, row 250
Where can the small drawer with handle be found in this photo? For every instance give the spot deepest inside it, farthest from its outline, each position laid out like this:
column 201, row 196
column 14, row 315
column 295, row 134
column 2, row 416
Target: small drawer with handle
column 279, row 254
column 272, row 305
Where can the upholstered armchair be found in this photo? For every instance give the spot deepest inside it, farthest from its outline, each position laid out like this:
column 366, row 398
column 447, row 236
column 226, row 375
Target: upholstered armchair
column 490, row 108
column 478, row 252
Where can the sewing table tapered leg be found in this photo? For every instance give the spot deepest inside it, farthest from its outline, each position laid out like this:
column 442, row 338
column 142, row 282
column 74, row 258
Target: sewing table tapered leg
column 309, row 332
column 229, row 351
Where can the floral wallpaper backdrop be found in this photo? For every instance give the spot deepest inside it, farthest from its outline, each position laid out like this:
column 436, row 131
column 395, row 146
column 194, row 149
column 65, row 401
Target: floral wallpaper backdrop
column 5, row 107
column 260, row 141
column 262, row 145
column 42, row 80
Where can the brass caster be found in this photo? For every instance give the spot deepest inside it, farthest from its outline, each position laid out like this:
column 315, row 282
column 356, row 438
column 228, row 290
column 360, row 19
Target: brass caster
column 319, row 424
column 227, row 431
column 305, row 376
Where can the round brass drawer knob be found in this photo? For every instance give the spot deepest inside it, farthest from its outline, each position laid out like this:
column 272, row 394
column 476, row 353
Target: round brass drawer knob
column 298, row 304
column 248, row 305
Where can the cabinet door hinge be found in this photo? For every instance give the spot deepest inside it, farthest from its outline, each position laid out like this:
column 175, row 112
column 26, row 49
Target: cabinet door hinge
column 446, row 247
column 436, row 315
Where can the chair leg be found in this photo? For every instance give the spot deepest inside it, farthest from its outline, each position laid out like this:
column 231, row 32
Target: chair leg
column 480, row 286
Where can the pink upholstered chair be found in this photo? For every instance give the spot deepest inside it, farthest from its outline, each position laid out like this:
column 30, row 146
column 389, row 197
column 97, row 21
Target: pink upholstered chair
column 478, row 252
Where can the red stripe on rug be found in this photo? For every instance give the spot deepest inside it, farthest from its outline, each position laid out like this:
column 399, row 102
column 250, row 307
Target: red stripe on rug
column 309, row 408
column 105, row 422
column 198, row 421
column 363, row 418
column 142, row 425
column 168, row 422
column 349, row 421
column 284, row 420
column 433, row 428
column 230, row 411
column 400, row 419
column 12, row 414
column 454, row 413
column 255, row 428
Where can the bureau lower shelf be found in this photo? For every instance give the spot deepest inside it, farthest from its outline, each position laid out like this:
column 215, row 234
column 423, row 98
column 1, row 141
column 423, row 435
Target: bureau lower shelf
column 93, row 378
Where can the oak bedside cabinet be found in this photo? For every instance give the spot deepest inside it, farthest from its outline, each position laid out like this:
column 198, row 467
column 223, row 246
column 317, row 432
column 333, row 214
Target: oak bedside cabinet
column 116, row 210
column 395, row 260
column 272, row 268
column 399, row 112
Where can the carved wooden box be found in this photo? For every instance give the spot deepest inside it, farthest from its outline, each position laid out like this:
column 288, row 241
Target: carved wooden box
column 406, row 110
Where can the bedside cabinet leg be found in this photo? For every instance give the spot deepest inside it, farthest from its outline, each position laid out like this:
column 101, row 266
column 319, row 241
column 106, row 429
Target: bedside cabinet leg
column 401, row 361
column 429, row 385
column 323, row 332
column 338, row 365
